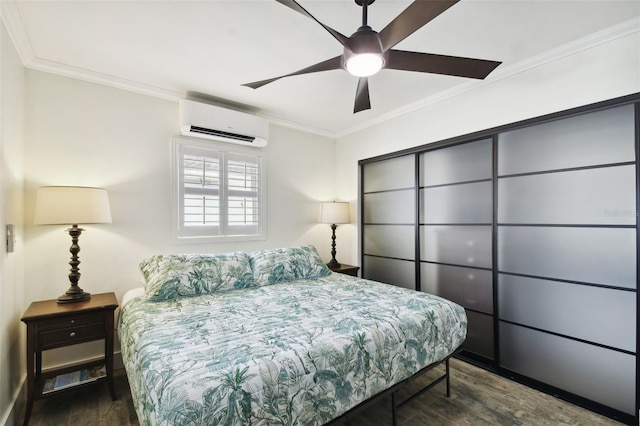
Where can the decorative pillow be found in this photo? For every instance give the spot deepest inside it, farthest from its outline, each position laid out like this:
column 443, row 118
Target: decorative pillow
column 170, row 276
column 287, row 264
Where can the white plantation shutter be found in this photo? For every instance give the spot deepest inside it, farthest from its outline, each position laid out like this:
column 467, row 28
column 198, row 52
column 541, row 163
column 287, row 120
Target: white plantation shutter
column 201, row 186
column 243, row 193
column 219, row 190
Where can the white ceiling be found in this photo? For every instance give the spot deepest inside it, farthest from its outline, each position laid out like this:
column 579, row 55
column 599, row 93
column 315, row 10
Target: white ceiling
column 174, row 48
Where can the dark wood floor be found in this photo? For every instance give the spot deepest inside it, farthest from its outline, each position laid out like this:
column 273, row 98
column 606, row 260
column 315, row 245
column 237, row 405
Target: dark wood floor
column 477, row 398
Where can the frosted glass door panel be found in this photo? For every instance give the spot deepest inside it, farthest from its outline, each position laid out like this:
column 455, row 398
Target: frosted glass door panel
column 401, row 273
column 390, row 207
column 390, row 241
column 594, row 196
column 458, row 245
column 395, row 173
column 594, row 314
column 591, row 255
column 466, row 203
column 479, row 334
column 460, row 163
column 596, row 373
column 468, row 287
column 601, row 137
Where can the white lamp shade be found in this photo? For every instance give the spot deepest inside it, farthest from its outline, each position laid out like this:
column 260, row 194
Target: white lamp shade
column 71, row 205
column 334, row 212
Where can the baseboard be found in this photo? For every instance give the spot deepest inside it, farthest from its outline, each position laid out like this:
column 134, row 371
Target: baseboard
column 10, row 417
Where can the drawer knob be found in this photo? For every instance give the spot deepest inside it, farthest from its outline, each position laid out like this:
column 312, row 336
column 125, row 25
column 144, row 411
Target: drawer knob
column 73, row 321
column 72, row 334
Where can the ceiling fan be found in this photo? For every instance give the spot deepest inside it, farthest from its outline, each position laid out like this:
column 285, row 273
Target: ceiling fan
column 367, row 51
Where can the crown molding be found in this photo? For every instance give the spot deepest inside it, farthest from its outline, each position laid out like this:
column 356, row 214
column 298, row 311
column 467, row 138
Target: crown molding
column 301, row 127
column 13, row 22
column 592, row 40
column 104, row 79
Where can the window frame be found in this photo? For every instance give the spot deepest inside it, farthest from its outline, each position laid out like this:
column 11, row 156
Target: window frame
column 223, row 232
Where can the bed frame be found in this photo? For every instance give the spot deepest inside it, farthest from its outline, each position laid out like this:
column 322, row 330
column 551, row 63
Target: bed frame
column 393, row 390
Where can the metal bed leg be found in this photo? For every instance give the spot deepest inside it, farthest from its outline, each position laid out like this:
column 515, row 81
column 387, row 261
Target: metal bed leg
column 394, row 408
column 448, row 381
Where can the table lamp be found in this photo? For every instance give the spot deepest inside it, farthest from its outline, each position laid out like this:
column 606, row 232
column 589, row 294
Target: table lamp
column 334, row 213
column 72, row 205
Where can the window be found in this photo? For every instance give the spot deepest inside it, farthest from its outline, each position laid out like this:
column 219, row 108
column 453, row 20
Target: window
column 219, row 191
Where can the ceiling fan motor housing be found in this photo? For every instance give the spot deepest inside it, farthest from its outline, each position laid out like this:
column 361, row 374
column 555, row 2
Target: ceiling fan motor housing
column 365, row 40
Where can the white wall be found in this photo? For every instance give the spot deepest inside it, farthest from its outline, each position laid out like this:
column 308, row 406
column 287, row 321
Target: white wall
column 607, row 71
column 80, row 133
column 12, row 302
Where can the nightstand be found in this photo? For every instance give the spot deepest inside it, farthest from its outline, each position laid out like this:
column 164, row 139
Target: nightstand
column 346, row 269
column 53, row 325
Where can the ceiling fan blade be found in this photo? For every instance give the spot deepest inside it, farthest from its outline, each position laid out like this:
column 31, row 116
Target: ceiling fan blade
column 415, row 16
column 328, row 65
column 362, row 95
column 440, row 64
column 292, row 4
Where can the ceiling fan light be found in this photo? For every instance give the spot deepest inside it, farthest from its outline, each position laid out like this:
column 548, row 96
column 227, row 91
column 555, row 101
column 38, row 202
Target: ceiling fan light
column 364, row 64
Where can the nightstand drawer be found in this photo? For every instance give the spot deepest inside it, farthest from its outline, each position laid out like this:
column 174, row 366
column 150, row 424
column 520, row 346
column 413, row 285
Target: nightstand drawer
column 71, row 321
column 71, row 335
column 71, row 329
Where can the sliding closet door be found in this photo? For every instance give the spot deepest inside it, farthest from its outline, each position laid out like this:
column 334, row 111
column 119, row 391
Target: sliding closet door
column 456, row 234
column 532, row 228
column 567, row 255
column 389, row 221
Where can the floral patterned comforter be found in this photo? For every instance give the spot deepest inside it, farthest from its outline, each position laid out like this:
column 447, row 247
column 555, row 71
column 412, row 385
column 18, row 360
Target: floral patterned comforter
column 297, row 353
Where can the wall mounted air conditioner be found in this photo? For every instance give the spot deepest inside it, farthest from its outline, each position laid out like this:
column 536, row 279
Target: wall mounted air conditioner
column 206, row 121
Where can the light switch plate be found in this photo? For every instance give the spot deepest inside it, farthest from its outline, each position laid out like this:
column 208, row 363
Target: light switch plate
column 11, row 238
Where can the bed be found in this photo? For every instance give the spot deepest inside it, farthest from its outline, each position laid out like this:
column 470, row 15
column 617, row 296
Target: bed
column 272, row 338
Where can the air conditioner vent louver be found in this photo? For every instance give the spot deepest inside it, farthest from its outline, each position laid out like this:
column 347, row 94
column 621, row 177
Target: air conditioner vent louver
column 212, row 122
column 229, row 135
